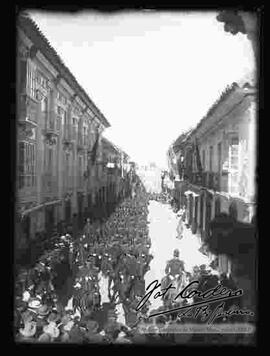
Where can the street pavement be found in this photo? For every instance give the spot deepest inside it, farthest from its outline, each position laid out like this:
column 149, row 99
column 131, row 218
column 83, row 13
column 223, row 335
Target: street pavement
column 162, row 230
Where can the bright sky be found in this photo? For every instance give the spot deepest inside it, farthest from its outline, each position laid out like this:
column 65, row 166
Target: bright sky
column 152, row 75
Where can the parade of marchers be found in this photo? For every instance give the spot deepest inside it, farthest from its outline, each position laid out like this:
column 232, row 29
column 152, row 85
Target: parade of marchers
column 88, row 289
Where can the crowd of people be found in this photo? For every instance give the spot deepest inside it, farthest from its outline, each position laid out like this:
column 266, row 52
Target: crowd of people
column 75, row 291
column 87, row 287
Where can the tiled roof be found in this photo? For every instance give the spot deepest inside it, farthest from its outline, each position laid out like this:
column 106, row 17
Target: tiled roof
column 109, row 145
column 184, row 136
column 34, row 33
column 228, row 90
column 181, row 139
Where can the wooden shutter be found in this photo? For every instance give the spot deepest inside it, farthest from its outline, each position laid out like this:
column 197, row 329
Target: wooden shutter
column 22, row 76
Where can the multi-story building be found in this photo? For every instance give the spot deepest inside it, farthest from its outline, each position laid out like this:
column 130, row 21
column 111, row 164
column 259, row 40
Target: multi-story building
column 116, row 183
column 217, row 163
column 58, row 136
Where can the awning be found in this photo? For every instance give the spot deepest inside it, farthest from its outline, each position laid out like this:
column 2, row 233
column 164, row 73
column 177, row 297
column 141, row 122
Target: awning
column 188, row 192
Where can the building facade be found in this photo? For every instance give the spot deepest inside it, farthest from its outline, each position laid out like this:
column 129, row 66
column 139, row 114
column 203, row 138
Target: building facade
column 59, row 129
column 218, row 164
column 115, row 182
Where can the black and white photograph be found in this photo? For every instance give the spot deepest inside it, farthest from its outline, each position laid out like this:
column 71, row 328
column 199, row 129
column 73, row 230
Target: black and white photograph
column 136, row 177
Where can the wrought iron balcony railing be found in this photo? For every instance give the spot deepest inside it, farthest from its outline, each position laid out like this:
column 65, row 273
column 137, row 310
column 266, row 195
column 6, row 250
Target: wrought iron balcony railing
column 210, row 180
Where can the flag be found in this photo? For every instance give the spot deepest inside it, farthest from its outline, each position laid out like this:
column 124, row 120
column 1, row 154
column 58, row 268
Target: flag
column 94, row 150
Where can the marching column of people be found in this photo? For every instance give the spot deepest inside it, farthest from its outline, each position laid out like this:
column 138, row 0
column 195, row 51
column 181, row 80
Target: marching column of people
column 76, row 292
column 73, row 292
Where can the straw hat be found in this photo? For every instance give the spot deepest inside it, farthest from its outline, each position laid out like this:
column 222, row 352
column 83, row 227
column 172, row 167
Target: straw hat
column 29, row 330
column 69, row 325
column 26, row 296
column 34, row 304
column 121, row 339
column 52, row 330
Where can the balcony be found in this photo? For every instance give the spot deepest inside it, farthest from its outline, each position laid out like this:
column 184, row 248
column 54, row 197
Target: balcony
column 27, row 109
column 50, row 132
column 196, row 178
column 67, row 140
column 211, row 180
column 80, row 144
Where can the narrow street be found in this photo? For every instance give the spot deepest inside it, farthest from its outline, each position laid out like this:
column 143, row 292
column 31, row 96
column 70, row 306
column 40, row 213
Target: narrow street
column 135, row 191
column 162, row 230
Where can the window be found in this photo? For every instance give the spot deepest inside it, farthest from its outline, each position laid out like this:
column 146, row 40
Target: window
column 219, row 157
column 44, row 105
column 31, row 80
column 67, row 170
column 74, row 128
column 59, row 116
column 26, row 163
column 65, row 122
column 42, row 81
column 233, row 165
column 234, row 146
column 22, row 75
column 61, row 98
column 59, row 111
column 80, row 171
column 84, row 135
column 58, row 123
column 203, row 159
column 211, row 159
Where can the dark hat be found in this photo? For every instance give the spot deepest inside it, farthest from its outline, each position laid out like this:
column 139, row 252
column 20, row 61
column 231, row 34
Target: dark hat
column 176, row 252
column 43, row 310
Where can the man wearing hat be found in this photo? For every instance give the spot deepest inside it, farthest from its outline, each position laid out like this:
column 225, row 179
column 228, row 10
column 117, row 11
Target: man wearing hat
column 174, row 271
column 175, row 266
column 180, row 226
